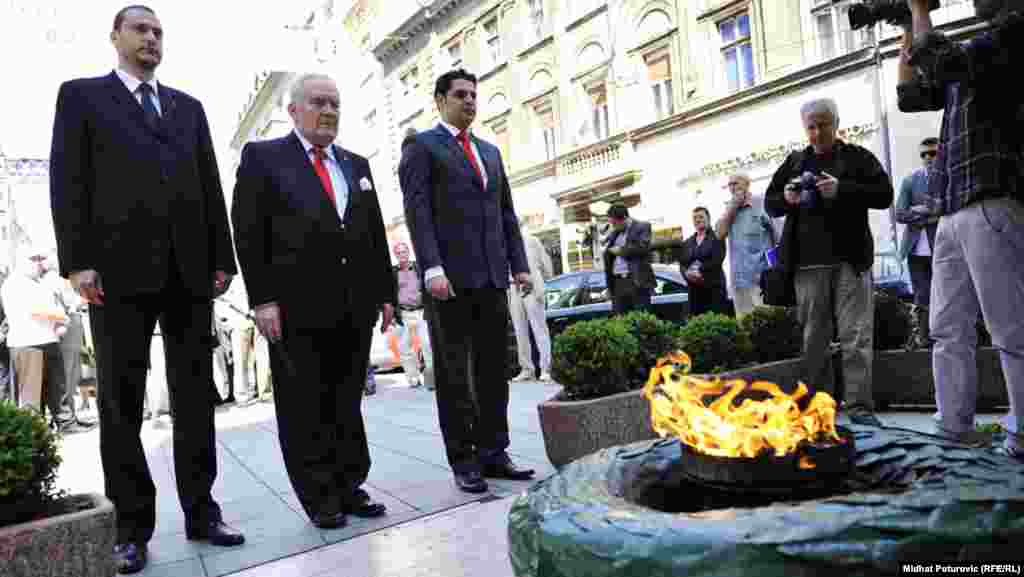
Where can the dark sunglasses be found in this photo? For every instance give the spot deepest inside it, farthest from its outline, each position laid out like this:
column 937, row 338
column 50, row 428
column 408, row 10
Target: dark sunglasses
column 929, row 154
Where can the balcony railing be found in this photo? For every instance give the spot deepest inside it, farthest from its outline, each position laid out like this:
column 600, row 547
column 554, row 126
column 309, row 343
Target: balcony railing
column 591, row 158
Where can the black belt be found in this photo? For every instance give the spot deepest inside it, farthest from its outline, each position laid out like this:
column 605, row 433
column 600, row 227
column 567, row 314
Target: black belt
column 621, row 274
column 410, row 308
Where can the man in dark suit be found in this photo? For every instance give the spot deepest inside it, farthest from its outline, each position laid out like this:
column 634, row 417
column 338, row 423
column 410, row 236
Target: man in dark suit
column 315, row 259
column 465, row 233
column 142, row 234
column 627, row 262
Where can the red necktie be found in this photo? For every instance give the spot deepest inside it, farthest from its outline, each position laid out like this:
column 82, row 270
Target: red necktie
column 321, row 171
column 463, row 138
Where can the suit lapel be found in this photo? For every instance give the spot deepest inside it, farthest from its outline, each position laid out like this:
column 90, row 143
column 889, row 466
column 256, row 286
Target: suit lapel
column 126, row 100
column 348, row 170
column 488, row 164
column 458, row 153
column 168, row 107
column 311, row 191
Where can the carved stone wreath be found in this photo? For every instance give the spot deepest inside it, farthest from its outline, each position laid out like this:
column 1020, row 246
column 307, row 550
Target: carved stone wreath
column 913, row 498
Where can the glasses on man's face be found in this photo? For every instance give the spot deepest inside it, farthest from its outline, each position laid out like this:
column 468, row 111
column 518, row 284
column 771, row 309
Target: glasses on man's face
column 462, row 94
column 929, row 153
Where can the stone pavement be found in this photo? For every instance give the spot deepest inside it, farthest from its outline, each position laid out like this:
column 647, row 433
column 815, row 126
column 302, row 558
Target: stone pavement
column 409, row 474
column 431, row 530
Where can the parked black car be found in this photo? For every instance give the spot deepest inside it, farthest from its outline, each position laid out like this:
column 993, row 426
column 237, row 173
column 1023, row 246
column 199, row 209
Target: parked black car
column 581, row 295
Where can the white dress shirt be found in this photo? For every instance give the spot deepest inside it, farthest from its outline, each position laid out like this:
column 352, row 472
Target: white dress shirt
column 133, row 83
column 338, row 181
column 436, row 271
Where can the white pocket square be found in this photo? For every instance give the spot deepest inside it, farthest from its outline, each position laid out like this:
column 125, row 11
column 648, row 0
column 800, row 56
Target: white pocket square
column 364, row 184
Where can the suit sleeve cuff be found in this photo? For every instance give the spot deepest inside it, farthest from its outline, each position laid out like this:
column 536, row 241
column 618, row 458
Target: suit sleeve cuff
column 433, row 272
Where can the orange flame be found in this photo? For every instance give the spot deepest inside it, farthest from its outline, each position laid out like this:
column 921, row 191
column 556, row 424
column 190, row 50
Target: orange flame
column 724, row 429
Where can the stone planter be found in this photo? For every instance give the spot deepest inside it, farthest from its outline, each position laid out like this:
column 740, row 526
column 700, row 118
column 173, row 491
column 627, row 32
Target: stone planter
column 573, row 429
column 76, row 544
column 905, row 378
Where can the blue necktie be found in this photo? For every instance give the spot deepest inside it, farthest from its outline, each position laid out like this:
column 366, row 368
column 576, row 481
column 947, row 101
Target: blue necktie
column 149, row 112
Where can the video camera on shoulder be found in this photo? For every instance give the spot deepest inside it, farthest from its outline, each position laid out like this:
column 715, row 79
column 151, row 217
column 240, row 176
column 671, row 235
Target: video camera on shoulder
column 870, row 12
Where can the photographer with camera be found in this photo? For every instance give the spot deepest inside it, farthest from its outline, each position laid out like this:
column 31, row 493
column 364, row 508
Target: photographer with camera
column 825, row 191
column 978, row 186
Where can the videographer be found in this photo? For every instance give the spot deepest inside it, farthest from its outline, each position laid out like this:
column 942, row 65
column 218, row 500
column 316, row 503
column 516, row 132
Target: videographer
column 977, row 183
column 825, row 191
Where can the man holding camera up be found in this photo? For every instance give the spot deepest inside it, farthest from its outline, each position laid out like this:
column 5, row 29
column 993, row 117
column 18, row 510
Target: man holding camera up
column 978, row 185
column 825, row 192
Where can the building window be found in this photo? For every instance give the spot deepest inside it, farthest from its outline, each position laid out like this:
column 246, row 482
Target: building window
column 832, row 30
column 455, row 55
column 492, row 43
column 535, row 16
column 599, row 111
column 737, row 51
column 659, row 74
column 545, row 116
column 500, row 130
column 410, row 83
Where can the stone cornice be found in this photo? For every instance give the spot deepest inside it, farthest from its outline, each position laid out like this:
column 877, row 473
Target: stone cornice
column 393, row 41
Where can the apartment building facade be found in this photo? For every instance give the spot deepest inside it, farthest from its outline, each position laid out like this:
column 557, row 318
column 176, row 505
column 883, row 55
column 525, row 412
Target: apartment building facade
column 648, row 102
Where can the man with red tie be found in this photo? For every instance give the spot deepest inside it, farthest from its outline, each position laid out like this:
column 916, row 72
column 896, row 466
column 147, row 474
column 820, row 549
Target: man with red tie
column 465, row 233
column 317, row 269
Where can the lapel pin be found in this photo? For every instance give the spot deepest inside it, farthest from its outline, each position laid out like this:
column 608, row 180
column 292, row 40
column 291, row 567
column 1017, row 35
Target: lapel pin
column 364, row 184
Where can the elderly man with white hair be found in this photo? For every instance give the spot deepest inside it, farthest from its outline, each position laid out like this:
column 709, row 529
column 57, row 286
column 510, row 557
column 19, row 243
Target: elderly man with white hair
column 825, row 192
column 749, row 232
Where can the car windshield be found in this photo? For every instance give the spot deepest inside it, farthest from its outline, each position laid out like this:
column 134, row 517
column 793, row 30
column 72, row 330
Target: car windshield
column 562, row 291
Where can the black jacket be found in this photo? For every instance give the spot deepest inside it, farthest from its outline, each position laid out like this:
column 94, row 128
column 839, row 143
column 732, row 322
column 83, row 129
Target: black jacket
column 863, row 185
column 637, row 252
column 127, row 197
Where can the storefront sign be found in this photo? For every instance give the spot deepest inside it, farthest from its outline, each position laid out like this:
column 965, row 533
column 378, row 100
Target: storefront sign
column 856, row 133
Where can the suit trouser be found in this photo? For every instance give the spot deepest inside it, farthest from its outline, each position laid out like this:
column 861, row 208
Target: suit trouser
column 404, row 332
column 469, row 336
column 978, row 267
column 122, row 333
column 528, row 313
column 39, row 371
column 321, row 375
column 746, row 299
column 627, row 296
column 71, row 353
column 824, row 293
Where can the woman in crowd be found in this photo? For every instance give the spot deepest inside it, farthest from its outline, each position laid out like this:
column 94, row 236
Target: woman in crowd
column 700, row 263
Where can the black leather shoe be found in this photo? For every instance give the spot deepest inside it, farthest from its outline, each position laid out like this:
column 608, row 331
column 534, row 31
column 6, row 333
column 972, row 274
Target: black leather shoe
column 471, row 482
column 130, row 558
column 329, row 520
column 360, row 505
column 216, row 532
column 506, row 469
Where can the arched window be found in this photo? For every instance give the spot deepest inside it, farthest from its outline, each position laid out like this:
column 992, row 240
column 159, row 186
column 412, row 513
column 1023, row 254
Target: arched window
column 654, row 23
column 540, row 80
column 497, row 103
column 591, row 55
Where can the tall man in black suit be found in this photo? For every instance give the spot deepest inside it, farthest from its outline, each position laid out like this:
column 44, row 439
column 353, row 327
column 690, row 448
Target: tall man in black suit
column 142, row 233
column 317, row 268
column 458, row 206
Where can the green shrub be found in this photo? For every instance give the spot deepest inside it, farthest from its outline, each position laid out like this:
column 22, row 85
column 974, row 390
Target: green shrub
column 775, row 333
column 595, row 358
column 656, row 337
column 715, row 343
column 892, row 322
column 28, row 464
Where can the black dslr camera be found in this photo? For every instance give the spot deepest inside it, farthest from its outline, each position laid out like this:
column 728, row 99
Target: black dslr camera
column 892, row 11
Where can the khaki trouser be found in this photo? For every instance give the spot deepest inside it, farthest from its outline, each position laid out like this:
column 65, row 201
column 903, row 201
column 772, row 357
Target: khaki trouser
column 39, row 370
column 746, row 299
column 824, row 293
column 977, row 267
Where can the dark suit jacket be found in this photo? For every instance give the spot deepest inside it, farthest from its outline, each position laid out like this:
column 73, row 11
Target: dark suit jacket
column 710, row 253
column 454, row 223
column 293, row 248
column 124, row 195
column 637, row 253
